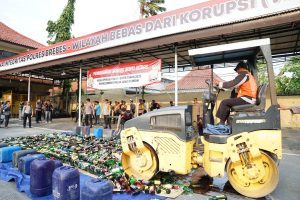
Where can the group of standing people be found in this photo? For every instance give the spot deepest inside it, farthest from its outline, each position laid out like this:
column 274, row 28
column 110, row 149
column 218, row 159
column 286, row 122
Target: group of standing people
column 110, row 112
column 153, row 106
column 89, row 111
column 25, row 112
column 42, row 109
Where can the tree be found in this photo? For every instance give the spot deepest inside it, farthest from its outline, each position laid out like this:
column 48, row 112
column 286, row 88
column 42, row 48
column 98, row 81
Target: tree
column 262, row 72
column 288, row 80
column 60, row 31
column 150, row 7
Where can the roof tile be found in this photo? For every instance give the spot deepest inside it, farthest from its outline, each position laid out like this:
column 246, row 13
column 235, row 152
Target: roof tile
column 9, row 35
column 194, row 80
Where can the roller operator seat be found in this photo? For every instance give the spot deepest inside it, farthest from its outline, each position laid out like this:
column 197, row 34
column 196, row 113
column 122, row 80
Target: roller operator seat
column 260, row 102
column 258, row 107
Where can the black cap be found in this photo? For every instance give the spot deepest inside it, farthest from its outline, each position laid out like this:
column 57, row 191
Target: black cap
column 241, row 64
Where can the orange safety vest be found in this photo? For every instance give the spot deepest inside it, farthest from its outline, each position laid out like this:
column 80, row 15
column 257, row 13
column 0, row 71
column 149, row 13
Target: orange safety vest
column 249, row 88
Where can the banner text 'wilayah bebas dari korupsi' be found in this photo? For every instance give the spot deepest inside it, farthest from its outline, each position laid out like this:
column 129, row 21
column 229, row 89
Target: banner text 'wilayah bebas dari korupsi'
column 135, row 29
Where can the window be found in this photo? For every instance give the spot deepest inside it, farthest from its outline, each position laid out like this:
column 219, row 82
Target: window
column 188, row 118
column 166, row 122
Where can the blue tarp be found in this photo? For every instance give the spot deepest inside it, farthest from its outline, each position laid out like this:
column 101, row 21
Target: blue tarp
column 217, row 129
column 8, row 173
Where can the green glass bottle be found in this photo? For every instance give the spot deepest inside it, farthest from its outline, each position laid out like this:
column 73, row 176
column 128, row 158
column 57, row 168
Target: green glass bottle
column 220, row 197
column 132, row 180
column 110, row 162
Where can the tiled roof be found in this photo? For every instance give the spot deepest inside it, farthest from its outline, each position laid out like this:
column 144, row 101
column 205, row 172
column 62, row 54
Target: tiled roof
column 194, row 80
column 9, row 35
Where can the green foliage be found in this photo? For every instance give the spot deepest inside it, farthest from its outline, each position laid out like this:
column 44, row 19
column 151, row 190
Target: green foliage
column 66, row 83
column 262, row 72
column 151, row 7
column 288, row 80
column 60, row 30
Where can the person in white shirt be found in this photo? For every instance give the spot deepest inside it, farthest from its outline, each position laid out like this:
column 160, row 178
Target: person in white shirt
column 27, row 113
column 88, row 110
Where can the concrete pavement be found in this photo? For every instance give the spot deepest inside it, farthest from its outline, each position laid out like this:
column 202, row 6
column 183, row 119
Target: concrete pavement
column 288, row 187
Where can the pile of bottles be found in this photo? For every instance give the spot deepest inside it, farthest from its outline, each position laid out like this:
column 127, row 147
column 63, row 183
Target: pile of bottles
column 96, row 156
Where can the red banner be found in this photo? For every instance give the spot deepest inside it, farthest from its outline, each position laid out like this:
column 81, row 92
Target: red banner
column 123, row 75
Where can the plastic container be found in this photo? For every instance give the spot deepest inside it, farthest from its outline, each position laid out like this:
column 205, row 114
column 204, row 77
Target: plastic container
column 78, row 130
column 24, row 162
column 82, row 130
column 98, row 132
column 107, row 134
column 57, row 164
column 19, row 154
column 97, row 189
column 6, row 153
column 65, row 183
column 3, row 145
column 86, row 131
column 41, row 171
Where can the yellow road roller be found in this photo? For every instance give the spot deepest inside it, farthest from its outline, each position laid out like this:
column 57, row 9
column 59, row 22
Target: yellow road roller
column 167, row 140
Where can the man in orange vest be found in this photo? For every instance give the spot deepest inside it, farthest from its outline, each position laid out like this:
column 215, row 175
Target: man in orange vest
column 246, row 87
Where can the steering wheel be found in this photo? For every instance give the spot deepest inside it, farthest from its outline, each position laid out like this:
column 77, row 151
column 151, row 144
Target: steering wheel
column 218, row 89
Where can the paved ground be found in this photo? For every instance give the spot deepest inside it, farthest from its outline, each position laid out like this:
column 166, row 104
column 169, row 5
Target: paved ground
column 288, row 187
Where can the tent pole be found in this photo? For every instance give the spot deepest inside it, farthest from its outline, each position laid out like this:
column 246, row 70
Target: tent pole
column 29, row 82
column 176, row 78
column 79, row 99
